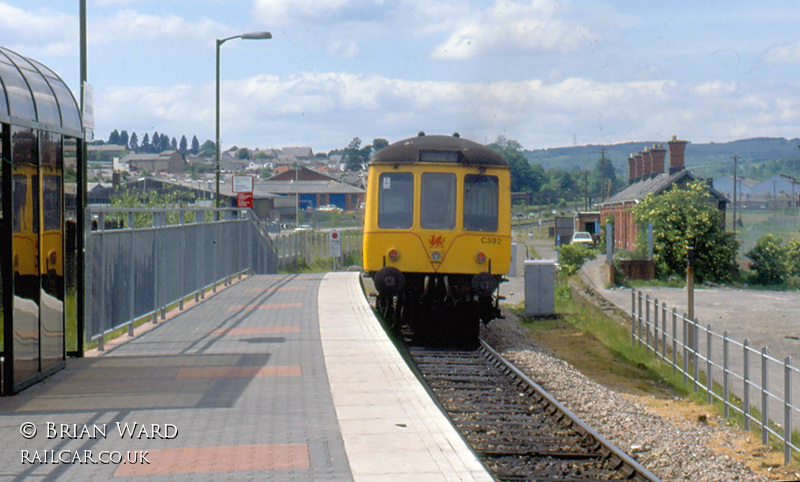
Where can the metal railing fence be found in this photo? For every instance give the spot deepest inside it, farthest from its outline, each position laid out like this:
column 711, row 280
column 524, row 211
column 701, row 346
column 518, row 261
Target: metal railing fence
column 139, row 261
column 747, row 381
column 311, row 246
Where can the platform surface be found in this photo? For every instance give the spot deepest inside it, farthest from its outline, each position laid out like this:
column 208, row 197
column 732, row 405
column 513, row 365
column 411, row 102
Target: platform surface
column 276, row 377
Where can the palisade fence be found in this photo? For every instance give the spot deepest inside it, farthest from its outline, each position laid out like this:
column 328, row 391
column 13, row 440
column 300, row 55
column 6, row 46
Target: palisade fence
column 139, row 261
column 309, row 247
column 748, row 382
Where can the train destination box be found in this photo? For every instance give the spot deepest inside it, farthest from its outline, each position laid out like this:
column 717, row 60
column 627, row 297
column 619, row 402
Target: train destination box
column 540, row 279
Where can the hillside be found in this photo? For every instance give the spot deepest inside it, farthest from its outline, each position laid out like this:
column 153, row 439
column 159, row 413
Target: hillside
column 759, row 158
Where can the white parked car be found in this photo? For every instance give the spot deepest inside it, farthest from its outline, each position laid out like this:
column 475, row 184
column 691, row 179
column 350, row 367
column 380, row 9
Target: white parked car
column 582, row 237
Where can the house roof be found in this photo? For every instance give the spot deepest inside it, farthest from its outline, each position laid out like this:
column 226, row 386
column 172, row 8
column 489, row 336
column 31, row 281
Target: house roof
column 302, row 173
column 656, row 185
column 298, row 152
column 306, row 187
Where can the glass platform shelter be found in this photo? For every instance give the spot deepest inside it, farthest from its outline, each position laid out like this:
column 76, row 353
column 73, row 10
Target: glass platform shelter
column 41, row 137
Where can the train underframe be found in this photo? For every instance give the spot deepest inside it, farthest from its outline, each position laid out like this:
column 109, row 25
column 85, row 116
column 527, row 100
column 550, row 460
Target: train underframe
column 438, row 309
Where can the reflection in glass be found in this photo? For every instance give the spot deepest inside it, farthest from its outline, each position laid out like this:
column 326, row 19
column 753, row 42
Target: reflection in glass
column 71, row 243
column 3, row 252
column 480, row 202
column 396, row 200
column 438, row 204
column 51, row 253
column 25, row 251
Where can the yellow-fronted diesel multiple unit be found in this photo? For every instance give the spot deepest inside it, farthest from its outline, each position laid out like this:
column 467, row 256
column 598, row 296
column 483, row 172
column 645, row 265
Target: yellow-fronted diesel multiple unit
column 437, row 235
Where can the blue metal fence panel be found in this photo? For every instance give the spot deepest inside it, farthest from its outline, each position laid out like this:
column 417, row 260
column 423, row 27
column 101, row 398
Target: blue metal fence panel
column 132, row 273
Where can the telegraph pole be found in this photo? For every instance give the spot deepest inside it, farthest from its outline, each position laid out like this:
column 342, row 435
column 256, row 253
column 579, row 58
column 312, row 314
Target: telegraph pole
column 735, row 162
column 602, row 173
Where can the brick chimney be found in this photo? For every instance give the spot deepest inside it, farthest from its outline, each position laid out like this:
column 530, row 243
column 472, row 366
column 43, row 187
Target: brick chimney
column 631, row 169
column 677, row 149
column 639, row 163
column 657, row 155
column 648, row 163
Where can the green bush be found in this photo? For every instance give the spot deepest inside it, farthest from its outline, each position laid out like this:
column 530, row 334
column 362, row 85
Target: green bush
column 572, row 256
column 774, row 263
column 684, row 217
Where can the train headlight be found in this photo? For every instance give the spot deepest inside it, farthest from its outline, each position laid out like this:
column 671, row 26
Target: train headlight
column 394, row 254
column 480, row 257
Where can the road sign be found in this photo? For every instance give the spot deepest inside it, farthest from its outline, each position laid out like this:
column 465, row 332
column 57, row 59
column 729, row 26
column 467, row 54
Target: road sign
column 244, row 199
column 335, row 244
column 243, row 184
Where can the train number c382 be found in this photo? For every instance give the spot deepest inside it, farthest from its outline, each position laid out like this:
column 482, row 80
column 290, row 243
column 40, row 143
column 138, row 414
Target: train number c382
column 491, row 240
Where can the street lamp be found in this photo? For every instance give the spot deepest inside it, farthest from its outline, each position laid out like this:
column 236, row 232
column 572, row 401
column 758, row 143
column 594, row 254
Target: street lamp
column 246, row 36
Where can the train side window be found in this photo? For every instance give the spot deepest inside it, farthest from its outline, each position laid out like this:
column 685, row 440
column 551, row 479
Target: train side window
column 438, row 206
column 396, row 200
column 480, row 202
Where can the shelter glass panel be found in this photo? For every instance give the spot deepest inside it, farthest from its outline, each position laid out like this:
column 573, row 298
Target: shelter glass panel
column 438, row 204
column 396, row 200
column 71, row 243
column 46, row 106
column 25, row 251
column 3, row 103
column 51, row 252
column 480, row 202
column 3, row 252
column 20, row 101
column 70, row 115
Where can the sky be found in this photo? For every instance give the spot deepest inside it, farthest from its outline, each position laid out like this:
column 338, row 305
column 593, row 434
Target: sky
column 546, row 73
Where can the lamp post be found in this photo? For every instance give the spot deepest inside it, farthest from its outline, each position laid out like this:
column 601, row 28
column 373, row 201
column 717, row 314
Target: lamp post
column 246, row 36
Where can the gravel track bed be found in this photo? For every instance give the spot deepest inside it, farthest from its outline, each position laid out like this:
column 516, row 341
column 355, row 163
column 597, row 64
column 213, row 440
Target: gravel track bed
column 672, row 450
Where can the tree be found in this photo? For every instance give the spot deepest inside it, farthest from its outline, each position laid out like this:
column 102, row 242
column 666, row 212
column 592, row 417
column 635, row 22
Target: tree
column 155, row 143
column 770, row 260
column 243, row 153
column 683, row 217
column 774, row 263
column 378, row 144
column 354, row 156
column 209, row 148
column 134, row 142
column 173, row 144
column 114, row 137
column 524, row 177
column 195, row 145
column 603, row 172
column 146, row 147
column 123, row 138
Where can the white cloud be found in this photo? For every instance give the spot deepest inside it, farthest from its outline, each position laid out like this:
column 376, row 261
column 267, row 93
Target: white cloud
column 784, row 54
column 511, row 26
column 329, row 11
column 132, row 25
column 38, row 32
column 346, row 49
column 326, row 110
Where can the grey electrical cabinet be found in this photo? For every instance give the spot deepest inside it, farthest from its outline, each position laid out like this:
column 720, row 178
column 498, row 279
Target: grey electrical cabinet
column 518, row 254
column 540, row 280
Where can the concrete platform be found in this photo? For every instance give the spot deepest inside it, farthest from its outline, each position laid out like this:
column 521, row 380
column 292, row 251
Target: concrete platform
column 283, row 377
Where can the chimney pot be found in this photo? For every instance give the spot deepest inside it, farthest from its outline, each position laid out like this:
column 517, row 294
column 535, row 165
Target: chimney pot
column 639, row 164
column 647, row 163
column 677, row 150
column 657, row 156
column 631, row 169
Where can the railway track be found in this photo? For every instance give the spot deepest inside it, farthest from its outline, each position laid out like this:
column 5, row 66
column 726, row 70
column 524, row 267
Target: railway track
column 517, row 429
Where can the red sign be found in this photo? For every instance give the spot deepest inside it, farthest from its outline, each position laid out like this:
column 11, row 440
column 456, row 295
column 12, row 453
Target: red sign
column 244, row 199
